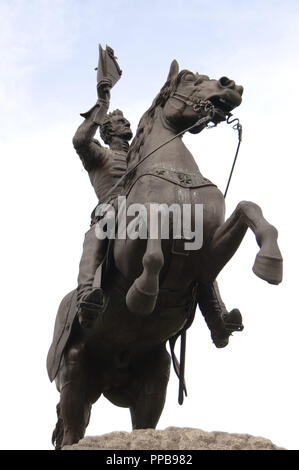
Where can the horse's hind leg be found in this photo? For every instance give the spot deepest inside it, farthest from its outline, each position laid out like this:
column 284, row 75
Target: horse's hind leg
column 153, row 379
column 142, row 296
column 227, row 238
column 72, row 383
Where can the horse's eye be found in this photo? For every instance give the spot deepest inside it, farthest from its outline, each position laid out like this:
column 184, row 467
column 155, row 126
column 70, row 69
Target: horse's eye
column 189, row 77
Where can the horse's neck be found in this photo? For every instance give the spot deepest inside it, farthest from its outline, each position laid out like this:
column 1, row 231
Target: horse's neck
column 174, row 155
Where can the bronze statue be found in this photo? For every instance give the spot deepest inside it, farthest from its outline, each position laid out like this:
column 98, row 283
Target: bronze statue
column 105, row 167
column 135, row 294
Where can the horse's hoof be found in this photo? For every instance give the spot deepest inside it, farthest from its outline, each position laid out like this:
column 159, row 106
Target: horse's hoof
column 267, row 268
column 139, row 302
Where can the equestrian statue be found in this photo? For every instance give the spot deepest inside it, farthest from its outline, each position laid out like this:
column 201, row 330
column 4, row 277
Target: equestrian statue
column 137, row 293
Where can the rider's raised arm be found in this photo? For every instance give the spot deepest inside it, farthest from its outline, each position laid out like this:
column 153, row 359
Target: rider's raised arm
column 87, row 147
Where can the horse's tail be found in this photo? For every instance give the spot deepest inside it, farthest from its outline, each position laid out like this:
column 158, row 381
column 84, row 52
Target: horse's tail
column 57, row 435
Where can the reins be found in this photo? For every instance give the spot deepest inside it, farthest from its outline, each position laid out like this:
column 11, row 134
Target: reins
column 204, row 107
column 237, row 127
column 201, row 121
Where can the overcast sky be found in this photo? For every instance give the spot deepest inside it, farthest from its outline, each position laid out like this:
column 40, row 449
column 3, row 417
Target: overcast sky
column 49, row 49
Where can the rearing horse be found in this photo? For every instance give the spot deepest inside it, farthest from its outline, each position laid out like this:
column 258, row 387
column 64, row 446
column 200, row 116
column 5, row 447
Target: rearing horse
column 150, row 284
column 172, row 112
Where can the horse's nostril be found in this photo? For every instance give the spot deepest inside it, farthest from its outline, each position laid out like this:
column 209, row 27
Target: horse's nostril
column 227, row 82
column 224, row 81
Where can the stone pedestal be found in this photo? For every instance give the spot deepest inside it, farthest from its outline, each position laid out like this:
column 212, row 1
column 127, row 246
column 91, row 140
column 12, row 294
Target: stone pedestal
column 173, row 439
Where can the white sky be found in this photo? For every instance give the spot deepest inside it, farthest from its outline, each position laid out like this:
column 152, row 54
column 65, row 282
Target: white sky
column 48, row 53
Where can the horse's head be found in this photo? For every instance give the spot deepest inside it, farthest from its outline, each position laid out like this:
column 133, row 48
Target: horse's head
column 187, row 96
column 183, row 100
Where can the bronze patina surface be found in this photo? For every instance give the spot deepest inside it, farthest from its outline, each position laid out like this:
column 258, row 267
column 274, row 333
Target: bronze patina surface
column 134, row 295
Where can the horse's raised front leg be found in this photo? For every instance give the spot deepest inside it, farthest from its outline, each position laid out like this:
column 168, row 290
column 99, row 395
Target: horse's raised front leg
column 227, row 238
column 142, row 296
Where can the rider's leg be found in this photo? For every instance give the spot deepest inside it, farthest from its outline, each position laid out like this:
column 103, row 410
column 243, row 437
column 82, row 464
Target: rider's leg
column 93, row 254
column 89, row 297
column 220, row 322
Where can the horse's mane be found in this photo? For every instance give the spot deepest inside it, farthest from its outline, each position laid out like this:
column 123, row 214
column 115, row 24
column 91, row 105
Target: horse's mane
column 146, row 122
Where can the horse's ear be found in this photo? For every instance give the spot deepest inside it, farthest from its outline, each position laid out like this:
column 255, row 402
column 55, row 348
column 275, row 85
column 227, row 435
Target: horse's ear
column 173, row 71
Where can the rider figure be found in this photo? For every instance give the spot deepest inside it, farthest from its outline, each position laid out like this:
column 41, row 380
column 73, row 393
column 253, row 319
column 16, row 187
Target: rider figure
column 105, row 167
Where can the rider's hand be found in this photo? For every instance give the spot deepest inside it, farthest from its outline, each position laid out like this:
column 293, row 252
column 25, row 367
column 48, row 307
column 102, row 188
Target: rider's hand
column 103, row 89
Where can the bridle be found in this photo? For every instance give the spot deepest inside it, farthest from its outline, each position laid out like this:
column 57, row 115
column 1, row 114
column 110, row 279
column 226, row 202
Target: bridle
column 206, row 110
column 206, row 107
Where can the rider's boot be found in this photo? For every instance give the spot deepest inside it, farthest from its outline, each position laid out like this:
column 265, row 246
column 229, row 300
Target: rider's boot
column 220, row 322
